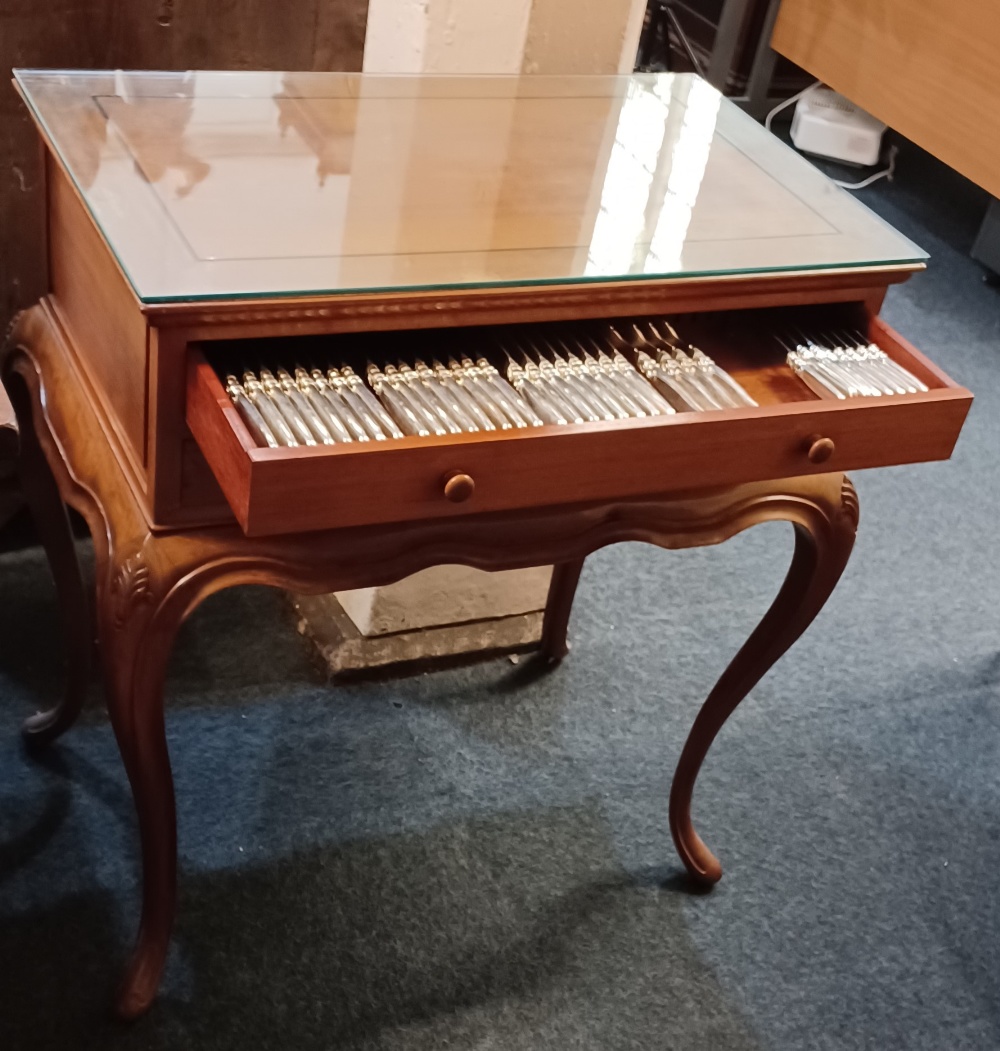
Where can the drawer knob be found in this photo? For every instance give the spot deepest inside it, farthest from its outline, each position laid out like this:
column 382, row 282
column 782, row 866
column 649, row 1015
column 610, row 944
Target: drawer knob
column 459, row 487
column 820, row 449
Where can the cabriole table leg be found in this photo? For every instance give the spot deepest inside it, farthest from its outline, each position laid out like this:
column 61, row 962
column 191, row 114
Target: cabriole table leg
column 51, row 520
column 824, row 537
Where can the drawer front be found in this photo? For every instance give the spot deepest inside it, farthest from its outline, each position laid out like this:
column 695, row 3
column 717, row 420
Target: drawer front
column 301, row 489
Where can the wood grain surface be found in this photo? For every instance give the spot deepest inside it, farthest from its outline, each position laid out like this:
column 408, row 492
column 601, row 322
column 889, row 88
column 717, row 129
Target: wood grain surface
column 927, row 69
column 97, row 305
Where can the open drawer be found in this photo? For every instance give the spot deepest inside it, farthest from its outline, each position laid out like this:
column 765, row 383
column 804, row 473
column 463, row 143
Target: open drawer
column 285, row 490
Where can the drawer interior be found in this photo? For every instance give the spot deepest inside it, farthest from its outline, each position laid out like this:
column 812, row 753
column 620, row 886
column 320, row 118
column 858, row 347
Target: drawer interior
column 293, row 489
column 751, row 346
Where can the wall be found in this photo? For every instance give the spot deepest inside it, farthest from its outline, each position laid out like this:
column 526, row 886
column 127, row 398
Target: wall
column 446, row 36
column 515, row 36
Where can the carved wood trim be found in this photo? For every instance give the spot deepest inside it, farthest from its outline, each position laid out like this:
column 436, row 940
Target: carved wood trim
column 849, row 504
column 467, row 306
column 129, row 588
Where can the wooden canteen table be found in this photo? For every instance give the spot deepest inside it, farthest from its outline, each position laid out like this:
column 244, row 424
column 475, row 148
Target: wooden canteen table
column 200, row 221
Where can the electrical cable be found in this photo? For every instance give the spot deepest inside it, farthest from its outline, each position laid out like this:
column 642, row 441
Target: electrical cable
column 790, row 101
column 886, row 172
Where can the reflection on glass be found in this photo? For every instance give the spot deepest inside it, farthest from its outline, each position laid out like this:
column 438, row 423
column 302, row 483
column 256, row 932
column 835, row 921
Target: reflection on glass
column 154, row 130
column 654, row 173
column 685, row 171
column 329, row 132
column 621, row 220
column 211, row 184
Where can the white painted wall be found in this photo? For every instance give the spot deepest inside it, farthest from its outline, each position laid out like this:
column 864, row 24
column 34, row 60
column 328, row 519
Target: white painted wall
column 502, row 36
column 446, row 36
column 396, row 36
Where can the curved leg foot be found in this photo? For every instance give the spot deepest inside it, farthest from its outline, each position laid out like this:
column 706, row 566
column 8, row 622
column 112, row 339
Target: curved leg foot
column 153, row 789
column 558, row 606
column 137, row 626
column 52, row 522
column 824, row 538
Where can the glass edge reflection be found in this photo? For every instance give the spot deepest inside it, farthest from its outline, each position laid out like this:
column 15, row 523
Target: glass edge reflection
column 916, row 263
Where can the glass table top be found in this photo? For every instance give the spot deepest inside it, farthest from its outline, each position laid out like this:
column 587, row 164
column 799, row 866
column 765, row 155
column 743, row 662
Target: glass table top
column 211, row 185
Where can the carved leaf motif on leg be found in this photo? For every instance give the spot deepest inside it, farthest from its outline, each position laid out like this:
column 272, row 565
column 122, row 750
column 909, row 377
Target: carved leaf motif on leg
column 849, row 505
column 129, row 588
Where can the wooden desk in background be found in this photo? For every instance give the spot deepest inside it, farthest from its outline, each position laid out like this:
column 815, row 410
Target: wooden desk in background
column 929, row 70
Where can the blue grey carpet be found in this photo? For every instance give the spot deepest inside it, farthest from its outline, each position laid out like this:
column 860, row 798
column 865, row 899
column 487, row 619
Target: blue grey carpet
column 479, row 858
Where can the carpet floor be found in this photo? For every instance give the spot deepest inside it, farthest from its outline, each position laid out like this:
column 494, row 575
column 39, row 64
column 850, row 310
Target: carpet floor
column 479, row 858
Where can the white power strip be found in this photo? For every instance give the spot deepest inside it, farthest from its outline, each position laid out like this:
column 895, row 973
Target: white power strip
column 828, row 125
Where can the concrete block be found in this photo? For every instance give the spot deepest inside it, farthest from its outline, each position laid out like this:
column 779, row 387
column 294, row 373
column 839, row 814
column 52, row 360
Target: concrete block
column 445, row 595
column 346, row 651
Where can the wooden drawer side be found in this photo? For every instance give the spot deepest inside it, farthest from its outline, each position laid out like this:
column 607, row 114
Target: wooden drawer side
column 102, row 315
column 217, row 427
